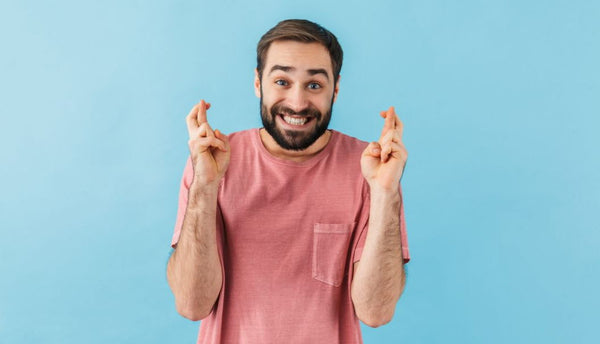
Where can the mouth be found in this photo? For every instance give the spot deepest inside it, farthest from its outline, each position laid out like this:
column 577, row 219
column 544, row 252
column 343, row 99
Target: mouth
column 295, row 121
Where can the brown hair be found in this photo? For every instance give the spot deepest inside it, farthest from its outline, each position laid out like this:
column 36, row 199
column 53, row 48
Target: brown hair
column 300, row 30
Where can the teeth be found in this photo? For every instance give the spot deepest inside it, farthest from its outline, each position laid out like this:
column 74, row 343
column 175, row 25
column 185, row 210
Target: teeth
column 295, row 120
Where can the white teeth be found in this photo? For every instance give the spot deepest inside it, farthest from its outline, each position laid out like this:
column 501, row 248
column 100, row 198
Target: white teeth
column 295, row 120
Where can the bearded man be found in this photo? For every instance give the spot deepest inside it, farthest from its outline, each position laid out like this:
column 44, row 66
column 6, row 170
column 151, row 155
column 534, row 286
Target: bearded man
column 293, row 232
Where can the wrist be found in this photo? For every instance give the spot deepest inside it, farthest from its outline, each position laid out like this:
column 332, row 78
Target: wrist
column 200, row 193
column 382, row 193
column 390, row 188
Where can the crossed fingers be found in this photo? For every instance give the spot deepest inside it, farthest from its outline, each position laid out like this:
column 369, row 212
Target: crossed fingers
column 196, row 117
column 392, row 122
column 200, row 131
column 390, row 140
column 390, row 143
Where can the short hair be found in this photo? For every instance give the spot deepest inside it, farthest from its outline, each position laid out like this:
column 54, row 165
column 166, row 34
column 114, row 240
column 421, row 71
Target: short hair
column 300, row 30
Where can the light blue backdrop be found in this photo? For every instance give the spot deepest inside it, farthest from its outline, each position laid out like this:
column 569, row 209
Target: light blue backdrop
column 501, row 107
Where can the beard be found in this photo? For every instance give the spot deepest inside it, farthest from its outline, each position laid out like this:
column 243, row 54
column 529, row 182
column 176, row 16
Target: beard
column 292, row 139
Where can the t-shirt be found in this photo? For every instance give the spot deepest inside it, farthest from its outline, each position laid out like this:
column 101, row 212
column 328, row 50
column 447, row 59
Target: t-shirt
column 287, row 234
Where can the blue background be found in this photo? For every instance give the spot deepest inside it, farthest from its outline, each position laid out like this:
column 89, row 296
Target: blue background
column 501, row 105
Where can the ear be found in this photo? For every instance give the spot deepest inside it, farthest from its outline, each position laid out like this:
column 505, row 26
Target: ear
column 256, row 83
column 337, row 88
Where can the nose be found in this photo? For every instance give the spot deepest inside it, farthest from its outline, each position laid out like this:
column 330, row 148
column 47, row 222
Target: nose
column 298, row 99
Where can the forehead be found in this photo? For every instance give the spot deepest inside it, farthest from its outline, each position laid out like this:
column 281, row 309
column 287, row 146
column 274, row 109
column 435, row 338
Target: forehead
column 302, row 56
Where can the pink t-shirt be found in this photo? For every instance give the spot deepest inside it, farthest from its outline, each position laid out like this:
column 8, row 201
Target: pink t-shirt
column 287, row 234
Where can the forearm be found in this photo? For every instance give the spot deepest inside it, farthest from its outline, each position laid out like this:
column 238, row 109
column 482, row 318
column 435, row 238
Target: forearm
column 194, row 269
column 379, row 277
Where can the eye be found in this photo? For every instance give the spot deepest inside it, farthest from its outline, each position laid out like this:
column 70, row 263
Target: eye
column 281, row 82
column 314, row 86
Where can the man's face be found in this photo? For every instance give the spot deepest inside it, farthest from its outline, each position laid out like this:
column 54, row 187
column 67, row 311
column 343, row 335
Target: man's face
column 296, row 93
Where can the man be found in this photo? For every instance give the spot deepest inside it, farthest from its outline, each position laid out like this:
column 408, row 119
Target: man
column 290, row 233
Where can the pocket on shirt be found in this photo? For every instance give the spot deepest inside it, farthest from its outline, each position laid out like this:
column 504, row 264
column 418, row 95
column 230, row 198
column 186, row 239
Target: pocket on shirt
column 330, row 252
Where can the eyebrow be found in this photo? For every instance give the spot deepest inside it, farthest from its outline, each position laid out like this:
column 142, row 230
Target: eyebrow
column 291, row 69
column 318, row 71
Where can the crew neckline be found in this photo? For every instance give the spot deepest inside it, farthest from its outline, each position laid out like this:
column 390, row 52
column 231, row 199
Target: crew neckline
column 307, row 163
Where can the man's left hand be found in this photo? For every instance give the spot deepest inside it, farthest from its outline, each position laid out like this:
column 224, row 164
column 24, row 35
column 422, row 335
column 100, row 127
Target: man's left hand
column 383, row 162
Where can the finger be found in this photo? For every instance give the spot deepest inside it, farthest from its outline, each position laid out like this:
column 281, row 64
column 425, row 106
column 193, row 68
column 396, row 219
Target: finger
column 386, row 150
column 205, row 130
column 389, row 118
column 203, row 106
column 191, row 119
column 392, row 116
column 393, row 149
column 219, row 134
column 390, row 136
column 223, row 137
column 389, row 121
column 399, row 126
column 204, row 143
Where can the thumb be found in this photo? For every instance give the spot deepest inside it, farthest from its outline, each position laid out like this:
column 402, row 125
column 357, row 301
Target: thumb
column 373, row 150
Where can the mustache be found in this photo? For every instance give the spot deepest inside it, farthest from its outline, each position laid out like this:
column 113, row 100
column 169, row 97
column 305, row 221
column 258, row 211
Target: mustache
column 309, row 111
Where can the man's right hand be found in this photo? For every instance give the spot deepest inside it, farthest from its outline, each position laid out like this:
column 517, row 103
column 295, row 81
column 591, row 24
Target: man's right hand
column 209, row 149
column 194, row 269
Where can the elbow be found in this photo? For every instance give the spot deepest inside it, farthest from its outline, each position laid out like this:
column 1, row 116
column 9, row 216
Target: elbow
column 376, row 319
column 195, row 307
column 374, row 313
column 192, row 312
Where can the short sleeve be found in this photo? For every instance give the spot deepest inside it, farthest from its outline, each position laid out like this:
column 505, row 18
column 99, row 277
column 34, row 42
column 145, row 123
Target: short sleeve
column 186, row 181
column 364, row 224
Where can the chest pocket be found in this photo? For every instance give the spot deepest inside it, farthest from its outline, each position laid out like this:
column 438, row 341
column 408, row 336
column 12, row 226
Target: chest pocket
column 330, row 252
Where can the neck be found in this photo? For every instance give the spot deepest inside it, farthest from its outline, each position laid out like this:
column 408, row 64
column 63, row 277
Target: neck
column 293, row 155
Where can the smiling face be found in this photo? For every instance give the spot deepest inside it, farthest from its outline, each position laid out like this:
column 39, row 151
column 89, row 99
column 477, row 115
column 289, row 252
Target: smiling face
column 296, row 92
